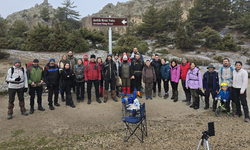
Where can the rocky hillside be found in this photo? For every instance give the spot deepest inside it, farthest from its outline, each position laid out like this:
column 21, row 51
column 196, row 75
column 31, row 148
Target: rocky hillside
column 32, row 16
column 132, row 9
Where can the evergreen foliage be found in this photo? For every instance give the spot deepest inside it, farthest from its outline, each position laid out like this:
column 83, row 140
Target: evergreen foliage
column 18, row 28
column 44, row 13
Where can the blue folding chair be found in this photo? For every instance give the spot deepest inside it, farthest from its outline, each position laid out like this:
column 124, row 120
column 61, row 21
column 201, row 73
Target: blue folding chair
column 140, row 124
column 125, row 102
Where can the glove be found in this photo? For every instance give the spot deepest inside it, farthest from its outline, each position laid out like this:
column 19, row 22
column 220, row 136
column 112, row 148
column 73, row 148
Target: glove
column 18, row 78
column 216, row 98
column 224, row 100
column 25, row 90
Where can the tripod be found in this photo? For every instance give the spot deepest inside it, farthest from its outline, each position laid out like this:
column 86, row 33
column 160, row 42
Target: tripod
column 204, row 139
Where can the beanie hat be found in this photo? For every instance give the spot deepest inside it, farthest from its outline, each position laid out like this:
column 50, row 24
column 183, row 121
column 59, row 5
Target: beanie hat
column 79, row 59
column 185, row 58
column 92, row 56
column 210, row 66
column 117, row 55
column 17, row 61
column 52, row 59
column 109, row 55
column 125, row 57
column 35, row 60
column 86, row 55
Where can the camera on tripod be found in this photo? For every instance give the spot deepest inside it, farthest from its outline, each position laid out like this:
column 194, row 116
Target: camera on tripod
column 205, row 134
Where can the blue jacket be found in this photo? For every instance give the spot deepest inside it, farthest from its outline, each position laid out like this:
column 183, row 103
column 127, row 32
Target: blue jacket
column 165, row 71
column 215, row 81
column 224, row 95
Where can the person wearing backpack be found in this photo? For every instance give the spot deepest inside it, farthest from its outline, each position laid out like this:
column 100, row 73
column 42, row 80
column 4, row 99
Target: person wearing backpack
column 194, row 82
column 109, row 72
column 156, row 63
column 225, row 74
column 125, row 74
column 68, row 77
column 79, row 71
column 61, row 65
column 17, row 83
column 185, row 66
column 35, row 80
column 175, row 77
column 136, row 73
column 165, row 74
column 73, row 62
column 210, row 86
column 92, row 76
column 51, row 78
column 149, row 77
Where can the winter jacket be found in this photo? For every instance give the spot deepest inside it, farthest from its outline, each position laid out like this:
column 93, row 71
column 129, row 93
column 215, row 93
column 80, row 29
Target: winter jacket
column 109, row 69
column 92, row 71
column 184, row 70
column 165, row 71
column 61, row 65
column 240, row 80
column 224, row 95
column 85, row 62
column 79, row 71
column 157, row 67
column 226, row 75
column 73, row 60
column 125, row 69
column 132, row 57
column 117, row 66
column 51, row 75
column 215, row 81
column 136, row 68
column 148, row 74
column 175, row 73
column 194, row 79
column 121, row 59
column 23, row 83
column 35, row 74
column 68, row 76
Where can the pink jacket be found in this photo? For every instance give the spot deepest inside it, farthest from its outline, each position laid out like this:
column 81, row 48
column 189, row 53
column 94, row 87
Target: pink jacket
column 175, row 73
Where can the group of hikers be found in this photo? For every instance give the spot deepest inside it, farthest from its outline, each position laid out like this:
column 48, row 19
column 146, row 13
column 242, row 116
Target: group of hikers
column 73, row 73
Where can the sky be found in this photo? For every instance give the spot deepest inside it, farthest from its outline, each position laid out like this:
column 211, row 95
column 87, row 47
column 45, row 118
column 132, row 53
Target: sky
column 85, row 7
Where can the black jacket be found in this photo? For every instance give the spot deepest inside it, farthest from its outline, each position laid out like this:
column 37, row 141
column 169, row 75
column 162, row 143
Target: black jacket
column 51, row 75
column 136, row 68
column 157, row 68
column 68, row 77
column 109, row 69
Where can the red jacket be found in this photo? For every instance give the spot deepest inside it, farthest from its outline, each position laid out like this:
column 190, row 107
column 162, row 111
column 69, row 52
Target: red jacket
column 121, row 59
column 92, row 71
column 85, row 62
column 184, row 70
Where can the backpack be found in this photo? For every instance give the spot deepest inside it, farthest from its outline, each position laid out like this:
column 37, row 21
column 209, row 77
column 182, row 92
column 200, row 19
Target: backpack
column 12, row 71
column 231, row 69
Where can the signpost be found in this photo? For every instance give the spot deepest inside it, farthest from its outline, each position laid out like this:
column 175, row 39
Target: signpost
column 109, row 22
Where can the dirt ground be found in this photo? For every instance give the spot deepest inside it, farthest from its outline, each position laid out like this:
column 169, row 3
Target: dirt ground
column 99, row 126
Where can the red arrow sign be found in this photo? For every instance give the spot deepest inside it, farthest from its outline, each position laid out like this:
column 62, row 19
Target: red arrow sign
column 109, row 22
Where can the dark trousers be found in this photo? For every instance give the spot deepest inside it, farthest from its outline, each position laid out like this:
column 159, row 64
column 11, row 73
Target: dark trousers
column 12, row 94
column 174, row 86
column 53, row 90
column 187, row 91
column 89, row 85
column 74, row 86
column 148, row 89
column 38, row 91
column 68, row 92
column 210, row 91
column 112, row 82
column 231, row 98
column 240, row 99
column 227, row 105
column 137, row 83
column 166, row 85
column 101, row 82
column 80, row 90
column 158, row 81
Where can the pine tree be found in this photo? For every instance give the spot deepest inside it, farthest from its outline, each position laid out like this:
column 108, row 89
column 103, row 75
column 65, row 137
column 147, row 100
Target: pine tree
column 131, row 29
column 212, row 38
column 3, row 26
column 18, row 28
column 77, row 43
column 44, row 13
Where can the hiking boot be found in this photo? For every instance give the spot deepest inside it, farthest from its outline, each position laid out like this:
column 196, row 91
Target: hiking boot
column 192, row 106
column 98, row 100
column 154, row 94
column 159, row 94
column 175, row 100
column 188, row 103
column 31, row 109
column 9, row 116
column 246, row 120
column 214, row 110
column 185, row 100
column 82, row 99
column 57, row 105
column 172, row 97
column 196, row 107
column 78, row 100
column 146, row 98
column 115, row 99
column 62, row 97
column 40, row 108
column 166, row 96
column 206, row 107
column 25, row 114
column 105, row 100
column 150, row 98
column 51, row 107
column 89, row 101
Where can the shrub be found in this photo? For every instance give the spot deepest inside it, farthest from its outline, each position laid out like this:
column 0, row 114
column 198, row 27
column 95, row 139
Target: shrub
column 228, row 43
column 143, row 47
column 4, row 55
column 163, row 51
column 218, row 58
column 240, row 42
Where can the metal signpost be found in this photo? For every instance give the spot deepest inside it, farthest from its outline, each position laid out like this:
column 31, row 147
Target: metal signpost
column 109, row 22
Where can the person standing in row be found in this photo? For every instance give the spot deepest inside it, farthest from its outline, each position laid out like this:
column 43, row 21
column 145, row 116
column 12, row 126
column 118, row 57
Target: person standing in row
column 117, row 62
column 210, row 86
column 240, row 83
column 156, row 63
column 175, row 76
column 109, row 72
column 35, row 80
column 152, row 58
column 149, row 77
column 17, row 83
column 85, row 59
column 100, row 64
column 51, row 78
column 165, row 74
column 125, row 74
column 92, row 75
column 125, row 54
column 79, row 71
column 136, row 73
column 185, row 66
column 194, row 82
column 73, row 62
column 61, row 65
column 133, row 55
column 68, row 78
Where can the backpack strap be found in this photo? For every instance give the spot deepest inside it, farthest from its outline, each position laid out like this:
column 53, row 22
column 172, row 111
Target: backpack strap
column 12, row 71
column 221, row 70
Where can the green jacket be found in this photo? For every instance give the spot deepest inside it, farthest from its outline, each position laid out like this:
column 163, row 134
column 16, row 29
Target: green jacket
column 35, row 74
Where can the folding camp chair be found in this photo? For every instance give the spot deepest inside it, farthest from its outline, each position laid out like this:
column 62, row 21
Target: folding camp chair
column 140, row 123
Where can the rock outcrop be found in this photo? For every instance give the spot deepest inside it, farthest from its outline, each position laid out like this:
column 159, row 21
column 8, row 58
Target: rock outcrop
column 32, row 16
column 132, row 9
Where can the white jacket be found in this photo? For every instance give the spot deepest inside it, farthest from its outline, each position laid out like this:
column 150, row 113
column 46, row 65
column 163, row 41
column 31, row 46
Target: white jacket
column 240, row 80
column 23, row 83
